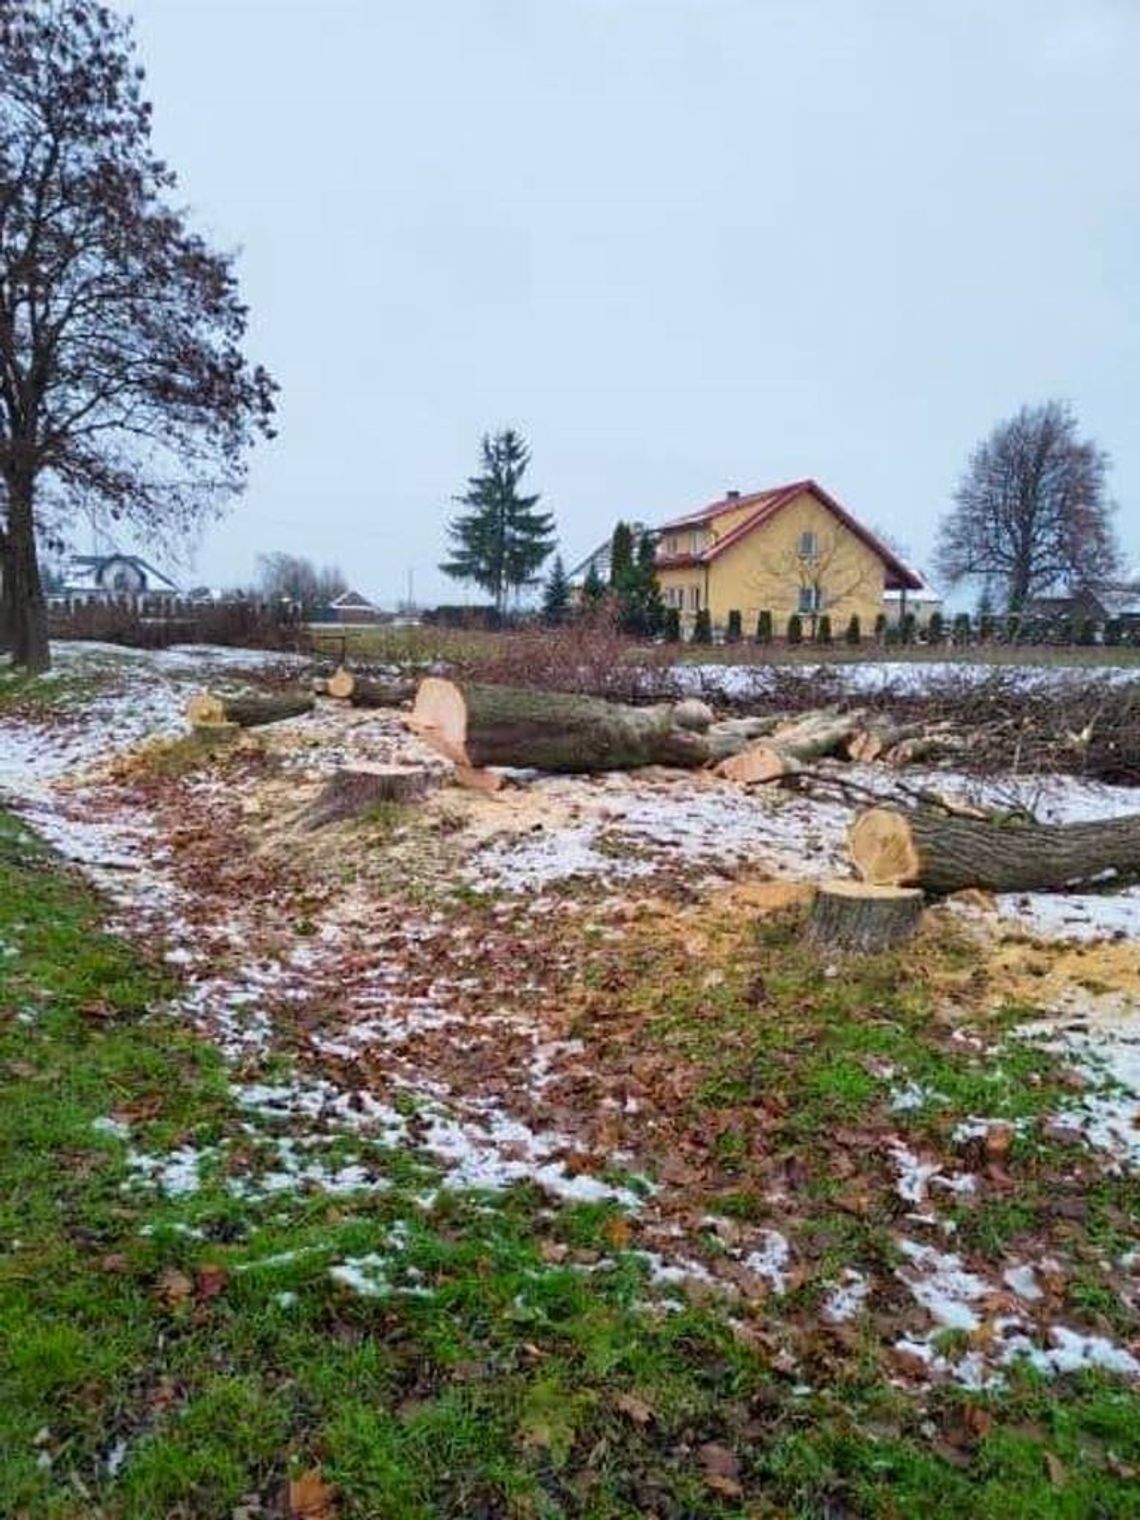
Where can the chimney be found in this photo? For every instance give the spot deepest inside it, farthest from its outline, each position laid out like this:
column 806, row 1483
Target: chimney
column 732, row 496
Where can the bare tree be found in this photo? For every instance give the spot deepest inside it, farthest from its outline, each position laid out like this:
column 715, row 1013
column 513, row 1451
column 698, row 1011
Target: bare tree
column 1031, row 512
column 298, row 579
column 824, row 574
column 123, row 388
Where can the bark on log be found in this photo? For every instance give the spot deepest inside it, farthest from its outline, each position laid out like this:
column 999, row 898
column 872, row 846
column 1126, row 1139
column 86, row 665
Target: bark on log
column 477, row 726
column 854, row 917
column 204, row 709
column 367, row 692
column 873, row 739
column 809, row 738
column 940, row 854
column 353, row 790
column 732, row 735
column 692, row 713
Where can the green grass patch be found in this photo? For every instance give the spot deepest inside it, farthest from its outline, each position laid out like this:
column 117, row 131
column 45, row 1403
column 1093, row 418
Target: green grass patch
column 171, row 1354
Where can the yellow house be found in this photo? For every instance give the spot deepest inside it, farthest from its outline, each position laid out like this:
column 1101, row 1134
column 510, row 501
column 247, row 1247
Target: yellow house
column 790, row 549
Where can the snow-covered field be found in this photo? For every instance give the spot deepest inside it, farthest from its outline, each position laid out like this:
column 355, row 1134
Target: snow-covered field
column 412, row 1051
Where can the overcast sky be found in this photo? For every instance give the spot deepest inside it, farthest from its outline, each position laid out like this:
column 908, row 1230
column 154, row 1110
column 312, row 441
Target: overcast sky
column 682, row 244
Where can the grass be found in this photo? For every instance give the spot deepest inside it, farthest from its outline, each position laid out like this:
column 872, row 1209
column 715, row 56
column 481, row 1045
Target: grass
column 422, row 645
column 173, row 1355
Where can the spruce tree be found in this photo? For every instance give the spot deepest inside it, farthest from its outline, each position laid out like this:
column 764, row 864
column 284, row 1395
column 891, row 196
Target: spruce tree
column 593, row 587
column 556, row 596
column 502, row 540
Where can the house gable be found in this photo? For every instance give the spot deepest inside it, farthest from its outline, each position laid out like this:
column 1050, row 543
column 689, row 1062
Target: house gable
column 793, row 549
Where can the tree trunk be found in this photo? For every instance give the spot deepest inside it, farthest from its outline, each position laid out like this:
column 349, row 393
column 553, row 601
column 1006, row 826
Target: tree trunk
column 7, row 604
column 925, row 849
column 853, row 917
column 362, row 691
column 204, row 709
column 353, row 790
column 29, row 610
column 476, row 726
column 809, row 738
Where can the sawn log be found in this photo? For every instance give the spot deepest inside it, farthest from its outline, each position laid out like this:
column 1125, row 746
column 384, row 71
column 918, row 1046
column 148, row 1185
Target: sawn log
column 476, row 726
column 943, row 854
column 204, row 709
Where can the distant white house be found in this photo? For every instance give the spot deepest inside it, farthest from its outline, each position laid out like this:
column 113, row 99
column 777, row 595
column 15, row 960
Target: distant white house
column 922, row 604
column 104, row 577
column 599, row 558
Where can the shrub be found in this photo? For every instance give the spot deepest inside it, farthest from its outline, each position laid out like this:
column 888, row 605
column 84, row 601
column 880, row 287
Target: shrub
column 962, row 628
column 881, row 627
column 1065, row 631
column 764, row 628
column 907, row 628
column 795, row 629
column 823, row 629
column 702, row 627
column 1086, row 632
column 1012, row 628
column 987, row 627
column 735, row 630
column 936, row 628
column 854, row 634
column 671, row 625
column 1113, row 632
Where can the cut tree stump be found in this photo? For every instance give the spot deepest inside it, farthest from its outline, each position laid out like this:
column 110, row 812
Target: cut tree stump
column 352, row 790
column 477, row 726
column 854, row 917
column 204, row 709
column 941, row 854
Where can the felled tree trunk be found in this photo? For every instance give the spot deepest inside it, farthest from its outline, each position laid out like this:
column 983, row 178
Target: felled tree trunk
column 352, row 790
column 733, row 735
column 476, row 726
column 854, row 917
column 204, row 708
column 877, row 736
column 940, row 854
column 810, row 738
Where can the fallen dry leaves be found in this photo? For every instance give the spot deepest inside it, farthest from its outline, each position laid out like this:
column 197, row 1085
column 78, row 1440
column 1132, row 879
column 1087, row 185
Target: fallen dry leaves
column 311, row 1498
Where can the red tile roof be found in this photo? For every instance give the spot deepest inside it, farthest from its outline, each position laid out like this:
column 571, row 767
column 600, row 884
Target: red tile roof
column 764, row 506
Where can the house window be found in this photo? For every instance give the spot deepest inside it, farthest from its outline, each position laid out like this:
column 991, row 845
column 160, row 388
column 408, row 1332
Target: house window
column 811, row 598
column 809, row 545
column 694, row 598
column 673, row 544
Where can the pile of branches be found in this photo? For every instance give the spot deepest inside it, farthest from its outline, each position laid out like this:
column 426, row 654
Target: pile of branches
column 1039, row 722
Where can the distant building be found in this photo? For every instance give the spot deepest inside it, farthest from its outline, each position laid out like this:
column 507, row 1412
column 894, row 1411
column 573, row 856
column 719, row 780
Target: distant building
column 599, row 559
column 105, row 577
column 922, row 603
column 353, row 607
column 787, row 549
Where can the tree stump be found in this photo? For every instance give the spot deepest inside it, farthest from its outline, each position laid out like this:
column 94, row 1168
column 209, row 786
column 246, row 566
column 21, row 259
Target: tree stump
column 352, row 790
column 856, row 918
column 340, row 684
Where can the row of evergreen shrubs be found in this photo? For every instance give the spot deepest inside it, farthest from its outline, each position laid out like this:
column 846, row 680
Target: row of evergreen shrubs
column 961, row 630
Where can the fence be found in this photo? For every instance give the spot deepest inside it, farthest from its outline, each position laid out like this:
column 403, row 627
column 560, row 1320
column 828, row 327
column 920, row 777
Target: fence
column 154, row 622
